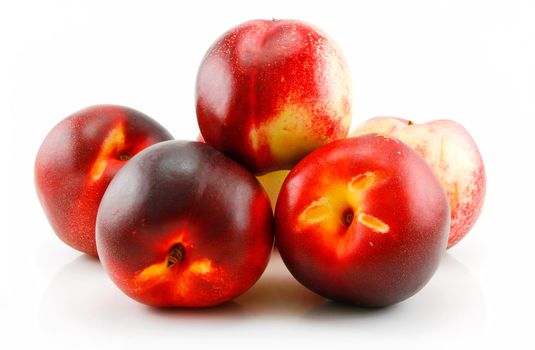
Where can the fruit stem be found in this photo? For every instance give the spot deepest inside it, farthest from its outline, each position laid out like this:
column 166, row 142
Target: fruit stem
column 175, row 255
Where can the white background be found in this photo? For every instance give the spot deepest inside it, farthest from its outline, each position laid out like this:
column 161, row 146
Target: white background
column 472, row 61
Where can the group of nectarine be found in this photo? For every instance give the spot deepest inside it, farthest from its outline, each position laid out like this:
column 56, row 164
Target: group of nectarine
column 363, row 219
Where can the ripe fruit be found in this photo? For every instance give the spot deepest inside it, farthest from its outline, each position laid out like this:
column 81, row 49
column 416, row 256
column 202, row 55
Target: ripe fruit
column 362, row 220
column 270, row 92
column 183, row 225
column 271, row 182
column 78, row 159
column 452, row 153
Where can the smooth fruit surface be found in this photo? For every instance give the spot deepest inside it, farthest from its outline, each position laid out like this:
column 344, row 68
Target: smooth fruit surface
column 183, row 225
column 362, row 220
column 272, row 183
column 270, row 92
column 77, row 160
column 454, row 156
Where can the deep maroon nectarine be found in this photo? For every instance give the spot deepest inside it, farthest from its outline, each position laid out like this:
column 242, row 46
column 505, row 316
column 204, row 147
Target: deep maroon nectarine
column 183, row 225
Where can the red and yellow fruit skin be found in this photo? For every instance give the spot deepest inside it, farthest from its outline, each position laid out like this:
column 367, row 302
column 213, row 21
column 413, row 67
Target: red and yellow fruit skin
column 454, row 156
column 188, row 194
column 271, row 182
column 362, row 220
column 77, row 160
column 270, row 92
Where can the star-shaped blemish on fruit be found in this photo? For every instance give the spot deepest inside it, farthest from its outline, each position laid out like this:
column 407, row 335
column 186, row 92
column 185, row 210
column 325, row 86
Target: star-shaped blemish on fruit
column 179, row 270
column 343, row 205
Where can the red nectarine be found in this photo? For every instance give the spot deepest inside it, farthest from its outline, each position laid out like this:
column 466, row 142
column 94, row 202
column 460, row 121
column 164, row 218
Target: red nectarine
column 362, row 220
column 78, row 159
column 183, row 225
column 269, row 92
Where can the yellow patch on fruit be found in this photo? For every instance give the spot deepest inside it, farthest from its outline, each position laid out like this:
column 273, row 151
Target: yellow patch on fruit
column 325, row 210
column 177, row 274
column 272, row 183
column 358, row 186
column 289, row 135
column 362, row 182
column 316, row 212
column 373, row 223
column 152, row 275
column 201, row 267
column 113, row 141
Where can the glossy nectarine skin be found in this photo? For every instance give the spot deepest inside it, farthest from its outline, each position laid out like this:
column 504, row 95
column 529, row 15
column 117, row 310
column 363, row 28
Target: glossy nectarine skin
column 77, row 160
column 271, row 182
column 362, row 220
column 453, row 154
column 183, row 225
column 270, row 92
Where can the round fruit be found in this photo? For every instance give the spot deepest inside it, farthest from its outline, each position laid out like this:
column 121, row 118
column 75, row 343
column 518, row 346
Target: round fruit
column 183, row 225
column 362, row 220
column 77, row 161
column 270, row 92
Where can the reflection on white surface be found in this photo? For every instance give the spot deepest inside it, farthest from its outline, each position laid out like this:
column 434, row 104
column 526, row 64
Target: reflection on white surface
column 452, row 299
column 278, row 294
column 83, row 302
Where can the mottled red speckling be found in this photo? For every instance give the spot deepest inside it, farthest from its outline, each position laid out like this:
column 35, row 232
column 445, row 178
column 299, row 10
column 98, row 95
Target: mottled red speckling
column 454, row 156
column 270, row 92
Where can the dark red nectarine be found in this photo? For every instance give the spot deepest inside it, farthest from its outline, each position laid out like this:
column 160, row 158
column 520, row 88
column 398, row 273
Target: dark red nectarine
column 183, row 225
